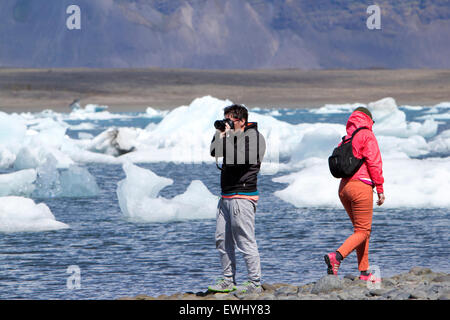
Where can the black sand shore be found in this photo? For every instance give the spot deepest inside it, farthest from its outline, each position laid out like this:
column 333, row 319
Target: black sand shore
column 135, row 89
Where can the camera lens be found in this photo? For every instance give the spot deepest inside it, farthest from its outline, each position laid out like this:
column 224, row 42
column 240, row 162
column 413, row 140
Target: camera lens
column 219, row 125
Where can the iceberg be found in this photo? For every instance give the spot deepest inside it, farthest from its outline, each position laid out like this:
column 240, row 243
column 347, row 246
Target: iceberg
column 408, row 183
column 77, row 182
column 12, row 133
column 71, row 182
column 18, row 214
column 391, row 121
column 139, row 198
column 24, row 148
column 7, row 158
column 313, row 186
column 318, row 142
column 114, row 141
column 154, row 113
column 94, row 112
column 393, row 147
column 20, row 183
column 91, row 108
column 441, row 143
column 337, row 108
column 43, row 137
column 47, row 132
column 184, row 134
column 35, row 156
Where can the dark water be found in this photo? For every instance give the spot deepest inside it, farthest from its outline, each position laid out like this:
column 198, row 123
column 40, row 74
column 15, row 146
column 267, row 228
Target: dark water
column 119, row 258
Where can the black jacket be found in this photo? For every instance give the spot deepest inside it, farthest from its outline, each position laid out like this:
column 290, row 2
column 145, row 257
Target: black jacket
column 242, row 154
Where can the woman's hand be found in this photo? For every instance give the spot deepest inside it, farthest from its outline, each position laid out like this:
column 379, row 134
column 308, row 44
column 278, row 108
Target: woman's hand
column 381, row 199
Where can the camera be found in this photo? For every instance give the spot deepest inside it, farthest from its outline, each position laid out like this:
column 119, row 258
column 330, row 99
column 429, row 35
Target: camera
column 220, row 124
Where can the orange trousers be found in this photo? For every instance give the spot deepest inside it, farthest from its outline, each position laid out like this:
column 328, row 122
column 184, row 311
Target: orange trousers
column 357, row 198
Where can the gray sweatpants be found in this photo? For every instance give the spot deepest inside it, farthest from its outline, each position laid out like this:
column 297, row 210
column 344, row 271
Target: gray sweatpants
column 235, row 228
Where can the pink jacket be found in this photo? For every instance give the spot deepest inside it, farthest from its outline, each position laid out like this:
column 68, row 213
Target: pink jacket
column 365, row 145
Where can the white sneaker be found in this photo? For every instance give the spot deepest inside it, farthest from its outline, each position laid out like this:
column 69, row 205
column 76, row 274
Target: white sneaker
column 223, row 285
column 249, row 287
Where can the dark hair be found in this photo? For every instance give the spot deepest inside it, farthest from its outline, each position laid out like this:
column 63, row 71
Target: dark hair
column 237, row 111
column 364, row 110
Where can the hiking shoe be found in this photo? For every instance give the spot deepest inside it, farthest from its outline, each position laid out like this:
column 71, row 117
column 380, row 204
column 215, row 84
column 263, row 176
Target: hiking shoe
column 369, row 277
column 332, row 263
column 223, row 285
column 249, row 287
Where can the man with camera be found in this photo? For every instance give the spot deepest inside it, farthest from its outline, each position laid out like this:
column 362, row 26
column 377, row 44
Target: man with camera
column 242, row 148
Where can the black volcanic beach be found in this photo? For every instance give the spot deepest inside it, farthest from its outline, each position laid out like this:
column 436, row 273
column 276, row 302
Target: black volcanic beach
column 135, row 89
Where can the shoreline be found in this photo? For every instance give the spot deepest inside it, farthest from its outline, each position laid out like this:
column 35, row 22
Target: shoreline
column 418, row 284
column 128, row 90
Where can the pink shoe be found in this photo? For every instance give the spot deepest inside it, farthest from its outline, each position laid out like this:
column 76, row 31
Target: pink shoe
column 332, row 262
column 370, row 277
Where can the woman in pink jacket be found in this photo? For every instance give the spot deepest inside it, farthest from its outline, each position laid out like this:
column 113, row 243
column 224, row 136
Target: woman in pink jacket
column 356, row 194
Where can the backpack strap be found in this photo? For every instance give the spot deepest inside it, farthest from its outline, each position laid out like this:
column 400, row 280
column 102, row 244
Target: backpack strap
column 353, row 134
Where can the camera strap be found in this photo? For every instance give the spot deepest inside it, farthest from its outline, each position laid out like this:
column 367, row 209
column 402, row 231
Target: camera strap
column 217, row 165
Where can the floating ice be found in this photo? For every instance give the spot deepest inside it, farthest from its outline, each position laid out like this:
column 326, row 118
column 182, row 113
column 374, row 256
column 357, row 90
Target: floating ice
column 82, row 126
column 78, row 182
column 408, row 183
column 7, row 158
column 390, row 121
column 94, row 112
column 184, row 135
column 337, row 108
column 12, row 132
column 18, row 214
column 43, row 137
column 437, row 116
column 20, row 183
column 318, row 143
column 33, row 157
column 441, row 143
column 85, row 136
column 393, row 147
column 313, row 186
column 443, row 105
column 154, row 113
column 274, row 113
column 71, row 182
column 114, row 141
column 47, row 131
column 413, row 108
column 91, row 108
column 139, row 200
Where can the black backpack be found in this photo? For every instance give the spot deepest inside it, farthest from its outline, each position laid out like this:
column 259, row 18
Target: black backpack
column 342, row 162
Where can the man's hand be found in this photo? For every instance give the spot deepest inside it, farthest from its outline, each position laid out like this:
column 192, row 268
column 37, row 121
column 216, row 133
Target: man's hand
column 381, row 199
column 227, row 130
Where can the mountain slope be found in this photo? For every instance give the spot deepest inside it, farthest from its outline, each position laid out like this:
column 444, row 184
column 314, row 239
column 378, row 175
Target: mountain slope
column 225, row 34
